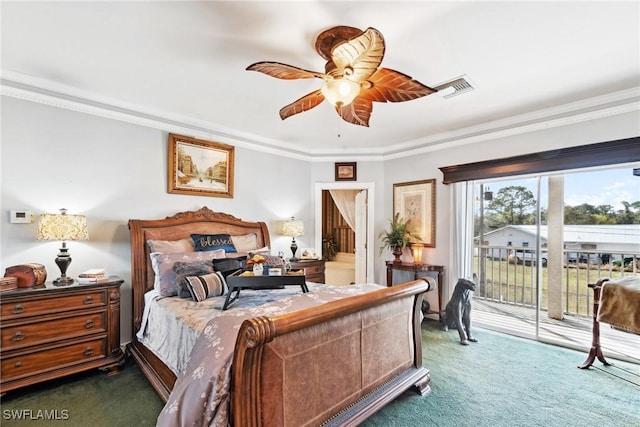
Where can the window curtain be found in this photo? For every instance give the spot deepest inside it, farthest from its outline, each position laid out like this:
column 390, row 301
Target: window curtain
column 462, row 231
column 345, row 201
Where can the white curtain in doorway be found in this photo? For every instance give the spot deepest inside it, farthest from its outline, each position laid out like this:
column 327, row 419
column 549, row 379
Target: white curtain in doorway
column 345, row 201
column 462, row 230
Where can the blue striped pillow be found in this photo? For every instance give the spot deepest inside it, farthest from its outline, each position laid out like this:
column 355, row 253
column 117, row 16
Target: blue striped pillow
column 206, row 286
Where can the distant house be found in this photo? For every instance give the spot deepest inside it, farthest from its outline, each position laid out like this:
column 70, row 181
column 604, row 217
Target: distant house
column 602, row 241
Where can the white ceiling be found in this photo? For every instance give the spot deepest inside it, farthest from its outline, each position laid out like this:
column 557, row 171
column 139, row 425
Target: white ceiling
column 183, row 64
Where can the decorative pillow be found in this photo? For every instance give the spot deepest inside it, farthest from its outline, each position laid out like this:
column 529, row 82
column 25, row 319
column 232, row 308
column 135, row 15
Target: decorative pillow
column 165, row 277
column 211, row 242
column 260, row 251
column 227, row 266
column 245, row 242
column 171, row 246
column 206, row 286
column 185, row 269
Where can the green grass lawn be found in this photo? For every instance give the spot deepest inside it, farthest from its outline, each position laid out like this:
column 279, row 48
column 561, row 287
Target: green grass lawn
column 515, row 284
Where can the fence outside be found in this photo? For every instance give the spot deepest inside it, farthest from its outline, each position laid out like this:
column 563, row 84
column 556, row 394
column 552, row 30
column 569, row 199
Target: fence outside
column 508, row 275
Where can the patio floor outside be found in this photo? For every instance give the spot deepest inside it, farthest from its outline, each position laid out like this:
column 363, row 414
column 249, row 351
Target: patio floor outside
column 573, row 331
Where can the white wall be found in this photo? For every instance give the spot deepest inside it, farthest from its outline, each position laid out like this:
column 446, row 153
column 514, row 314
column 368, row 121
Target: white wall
column 111, row 172
column 425, row 166
column 370, row 172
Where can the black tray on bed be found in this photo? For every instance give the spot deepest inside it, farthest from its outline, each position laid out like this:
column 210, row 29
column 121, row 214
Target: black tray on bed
column 244, row 279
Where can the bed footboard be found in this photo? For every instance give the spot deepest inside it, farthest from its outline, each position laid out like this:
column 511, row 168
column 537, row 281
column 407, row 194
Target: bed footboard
column 334, row 364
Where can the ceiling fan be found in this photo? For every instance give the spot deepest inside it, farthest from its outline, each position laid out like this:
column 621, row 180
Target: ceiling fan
column 352, row 77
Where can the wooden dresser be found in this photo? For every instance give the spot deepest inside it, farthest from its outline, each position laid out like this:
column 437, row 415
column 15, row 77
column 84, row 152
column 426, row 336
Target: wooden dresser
column 313, row 269
column 49, row 332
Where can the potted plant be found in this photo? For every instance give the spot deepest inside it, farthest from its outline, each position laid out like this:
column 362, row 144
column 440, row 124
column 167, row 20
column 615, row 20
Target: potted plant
column 397, row 237
column 329, row 247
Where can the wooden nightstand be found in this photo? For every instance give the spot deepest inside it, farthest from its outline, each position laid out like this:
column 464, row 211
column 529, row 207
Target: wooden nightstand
column 48, row 332
column 313, row 269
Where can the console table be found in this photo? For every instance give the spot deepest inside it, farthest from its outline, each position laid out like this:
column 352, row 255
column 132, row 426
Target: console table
column 418, row 268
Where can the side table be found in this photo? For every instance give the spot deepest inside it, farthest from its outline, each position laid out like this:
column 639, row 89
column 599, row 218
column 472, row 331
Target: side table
column 51, row 331
column 313, row 269
column 418, row 268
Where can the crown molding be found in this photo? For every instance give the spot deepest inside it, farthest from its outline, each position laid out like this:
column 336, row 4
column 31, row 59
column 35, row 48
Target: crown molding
column 60, row 96
column 44, row 92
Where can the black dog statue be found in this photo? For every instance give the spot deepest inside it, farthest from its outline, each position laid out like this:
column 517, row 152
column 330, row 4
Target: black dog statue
column 457, row 313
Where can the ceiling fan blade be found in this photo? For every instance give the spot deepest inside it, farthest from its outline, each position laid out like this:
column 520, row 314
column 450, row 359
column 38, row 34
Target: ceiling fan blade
column 328, row 39
column 393, row 86
column 362, row 54
column 357, row 112
column 305, row 103
column 284, row 71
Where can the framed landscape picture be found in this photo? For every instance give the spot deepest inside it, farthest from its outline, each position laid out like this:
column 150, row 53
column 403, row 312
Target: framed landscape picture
column 346, row 171
column 416, row 202
column 201, row 168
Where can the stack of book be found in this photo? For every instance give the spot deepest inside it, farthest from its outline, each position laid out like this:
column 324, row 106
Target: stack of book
column 94, row 275
column 8, row 283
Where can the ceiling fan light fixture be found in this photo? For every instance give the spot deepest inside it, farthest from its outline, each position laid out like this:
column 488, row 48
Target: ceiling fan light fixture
column 340, row 92
column 352, row 76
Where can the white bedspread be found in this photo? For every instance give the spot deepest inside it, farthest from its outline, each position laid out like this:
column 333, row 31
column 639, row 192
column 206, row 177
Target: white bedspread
column 171, row 326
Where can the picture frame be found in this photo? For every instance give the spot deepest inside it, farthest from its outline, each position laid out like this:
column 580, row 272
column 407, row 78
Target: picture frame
column 415, row 201
column 308, row 253
column 200, row 168
column 346, row 171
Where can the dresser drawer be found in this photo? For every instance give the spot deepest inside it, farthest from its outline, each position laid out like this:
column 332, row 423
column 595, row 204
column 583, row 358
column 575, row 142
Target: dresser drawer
column 314, row 270
column 35, row 363
column 315, row 273
column 52, row 330
column 315, row 278
column 34, row 307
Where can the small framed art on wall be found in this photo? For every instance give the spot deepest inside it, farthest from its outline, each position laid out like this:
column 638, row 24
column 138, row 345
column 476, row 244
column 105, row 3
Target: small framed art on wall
column 346, row 171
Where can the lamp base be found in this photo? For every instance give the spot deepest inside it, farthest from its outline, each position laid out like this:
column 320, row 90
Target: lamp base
column 294, row 249
column 63, row 281
column 62, row 261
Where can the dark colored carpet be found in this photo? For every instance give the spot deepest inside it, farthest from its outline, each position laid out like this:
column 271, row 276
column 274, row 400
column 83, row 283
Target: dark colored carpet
column 509, row 381
column 500, row 381
column 90, row 399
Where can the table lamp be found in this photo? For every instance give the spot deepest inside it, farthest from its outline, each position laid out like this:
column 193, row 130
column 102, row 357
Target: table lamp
column 416, row 249
column 62, row 227
column 293, row 228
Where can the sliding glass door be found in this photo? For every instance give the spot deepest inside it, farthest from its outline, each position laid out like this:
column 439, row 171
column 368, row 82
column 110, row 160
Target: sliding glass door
column 510, row 253
column 539, row 241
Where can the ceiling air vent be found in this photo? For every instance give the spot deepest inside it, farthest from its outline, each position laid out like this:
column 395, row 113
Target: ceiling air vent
column 454, row 87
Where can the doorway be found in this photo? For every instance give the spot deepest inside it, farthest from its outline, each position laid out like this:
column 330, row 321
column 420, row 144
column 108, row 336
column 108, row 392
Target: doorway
column 364, row 259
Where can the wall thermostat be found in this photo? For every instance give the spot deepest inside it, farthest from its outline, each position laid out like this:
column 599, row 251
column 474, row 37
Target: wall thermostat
column 22, row 217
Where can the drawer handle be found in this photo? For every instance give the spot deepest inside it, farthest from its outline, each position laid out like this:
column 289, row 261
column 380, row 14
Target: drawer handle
column 89, row 324
column 88, row 351
column 19, row 308
column 88, row 299
column 18, row 364
column 18, row 336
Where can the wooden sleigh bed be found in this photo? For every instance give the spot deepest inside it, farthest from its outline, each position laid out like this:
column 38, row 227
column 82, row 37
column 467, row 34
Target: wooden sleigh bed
column 368, row 347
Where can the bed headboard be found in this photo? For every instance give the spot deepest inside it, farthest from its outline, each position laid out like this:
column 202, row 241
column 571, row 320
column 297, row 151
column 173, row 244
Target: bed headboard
column 176, row 227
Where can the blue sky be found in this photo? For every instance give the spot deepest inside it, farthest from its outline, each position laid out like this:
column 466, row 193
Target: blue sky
column 597, row 187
